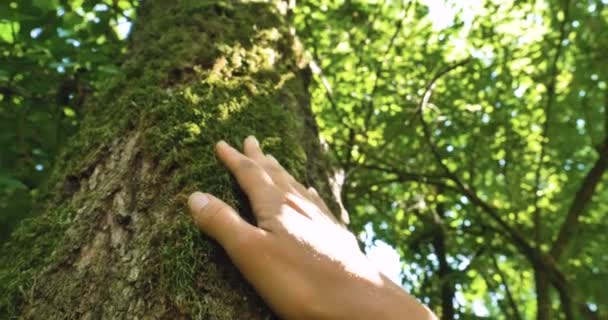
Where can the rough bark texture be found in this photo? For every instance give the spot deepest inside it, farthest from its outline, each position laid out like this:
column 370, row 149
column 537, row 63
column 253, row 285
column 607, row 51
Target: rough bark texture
column 113, row 239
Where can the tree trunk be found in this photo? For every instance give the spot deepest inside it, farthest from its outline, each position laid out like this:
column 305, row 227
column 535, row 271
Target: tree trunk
column 448, row 291
column 113, row 239
column 543, row 298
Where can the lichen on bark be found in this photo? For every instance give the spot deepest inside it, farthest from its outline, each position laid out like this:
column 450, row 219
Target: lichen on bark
column 113, row 239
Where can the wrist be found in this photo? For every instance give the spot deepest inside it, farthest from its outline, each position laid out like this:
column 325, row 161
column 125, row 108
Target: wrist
column 372, row 295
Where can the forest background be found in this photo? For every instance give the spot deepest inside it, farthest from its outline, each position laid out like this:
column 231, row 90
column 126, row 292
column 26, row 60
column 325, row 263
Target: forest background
column 469, row 138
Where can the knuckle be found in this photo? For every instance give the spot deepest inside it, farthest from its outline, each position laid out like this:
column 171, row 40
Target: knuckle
column 246, row 241
column 267, row 224
column 272, row 168
column 269, row 201
column 265, row 206
column 246, row 164
column 211, row 213
column 292, row 180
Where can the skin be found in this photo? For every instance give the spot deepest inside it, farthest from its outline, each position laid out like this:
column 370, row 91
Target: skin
column 301, row 260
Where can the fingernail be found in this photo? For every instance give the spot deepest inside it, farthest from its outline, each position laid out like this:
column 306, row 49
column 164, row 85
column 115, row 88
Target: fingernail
column 252, row 138
column 221, row 144
column 272, row 158
column 197, row 201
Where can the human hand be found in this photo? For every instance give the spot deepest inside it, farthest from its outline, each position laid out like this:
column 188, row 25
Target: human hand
column 301, row 260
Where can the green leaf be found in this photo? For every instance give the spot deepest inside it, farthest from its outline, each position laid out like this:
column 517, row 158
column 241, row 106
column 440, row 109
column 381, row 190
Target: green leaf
column 47, row 5
column 11, row 182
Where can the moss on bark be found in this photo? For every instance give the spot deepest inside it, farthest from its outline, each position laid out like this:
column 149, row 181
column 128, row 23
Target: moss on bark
column 113, row 239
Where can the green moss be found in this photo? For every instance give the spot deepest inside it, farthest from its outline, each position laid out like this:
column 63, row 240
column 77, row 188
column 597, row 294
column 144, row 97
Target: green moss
column 182, row 256
column 197, row 72
column 30, row 251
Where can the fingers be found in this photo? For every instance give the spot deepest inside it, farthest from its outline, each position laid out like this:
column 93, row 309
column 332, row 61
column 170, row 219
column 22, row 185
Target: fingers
column 251, row 148
column 220, row 221
column 280, row 177
column 250, row 176
column 263, row 178
column 316, row 198
column 273, row 165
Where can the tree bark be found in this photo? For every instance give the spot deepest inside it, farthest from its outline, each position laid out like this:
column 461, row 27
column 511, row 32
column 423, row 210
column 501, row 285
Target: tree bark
column 113, row 239
column 444, row 273
column 543, row 298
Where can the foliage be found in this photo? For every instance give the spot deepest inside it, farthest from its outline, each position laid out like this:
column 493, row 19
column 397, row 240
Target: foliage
column 473, row 138
column 54, row 55
column 474, row 142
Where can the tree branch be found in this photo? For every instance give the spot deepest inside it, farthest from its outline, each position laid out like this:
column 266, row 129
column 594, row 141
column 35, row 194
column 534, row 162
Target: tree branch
column 403, row 176
column 587, row 117
column 493, row 287
column 551, row 95
column 420, row 110
column 510, row 299
column 581, row 200
column 439, row 242
column 606, row 114
column 370, row 105
column 518, row 239
column 117, row 10
column 315, row 68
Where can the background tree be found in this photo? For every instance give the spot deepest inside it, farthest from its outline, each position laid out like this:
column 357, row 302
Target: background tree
column 113, row 240
column 482, row 123
column 53, row 58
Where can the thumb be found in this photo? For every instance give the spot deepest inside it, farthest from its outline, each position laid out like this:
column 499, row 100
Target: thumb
column 217, row 219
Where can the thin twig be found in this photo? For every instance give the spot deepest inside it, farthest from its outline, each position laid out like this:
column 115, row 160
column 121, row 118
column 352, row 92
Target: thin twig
column 510, row 299
column 378, row 72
